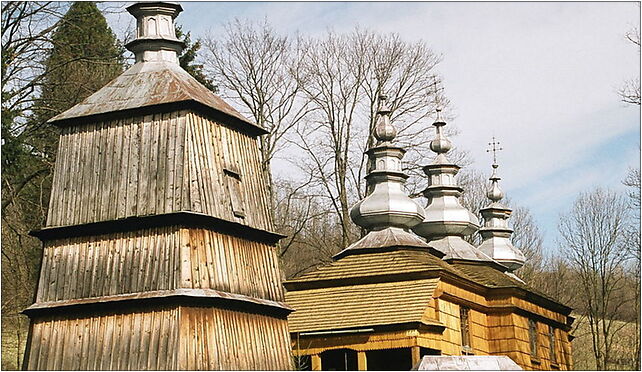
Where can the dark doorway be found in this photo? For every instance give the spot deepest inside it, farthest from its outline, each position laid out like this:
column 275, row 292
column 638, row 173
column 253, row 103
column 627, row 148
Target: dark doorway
column 339, row 360
column 389, row 359
column 425, row 351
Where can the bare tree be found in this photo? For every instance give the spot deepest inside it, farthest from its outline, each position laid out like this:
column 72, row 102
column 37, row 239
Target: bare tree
column 593, row 238
column 632, row 181
column 311, row 238
column 344, row 75
column 528, row 237
column 252, row 66
column 630, row 92
column 334, row 69
column 405, row 72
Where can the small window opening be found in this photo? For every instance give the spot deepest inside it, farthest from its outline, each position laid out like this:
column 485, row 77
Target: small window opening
column 552, row 345
column 233, row 180
column 532, row 334
column 464, row 326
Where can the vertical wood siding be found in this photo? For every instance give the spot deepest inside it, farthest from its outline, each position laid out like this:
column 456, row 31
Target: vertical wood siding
column 144, row 340
column 232, row 264
column 154, row 259
column 212, row 338
column 166, row 338
column 155, row 164
column 110, row 264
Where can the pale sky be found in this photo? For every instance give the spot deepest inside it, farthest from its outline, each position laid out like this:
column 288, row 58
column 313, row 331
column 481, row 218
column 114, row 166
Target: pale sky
column 542, row 77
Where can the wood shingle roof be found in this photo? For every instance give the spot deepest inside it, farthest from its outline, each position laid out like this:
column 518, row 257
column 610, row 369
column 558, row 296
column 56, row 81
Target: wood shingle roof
column 363, row 305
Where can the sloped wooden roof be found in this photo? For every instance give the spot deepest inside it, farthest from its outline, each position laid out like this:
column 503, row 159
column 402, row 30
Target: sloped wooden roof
column 383, row 286
column 374, row 264
column 150, row 84
column 363, row 305
column 492, row 278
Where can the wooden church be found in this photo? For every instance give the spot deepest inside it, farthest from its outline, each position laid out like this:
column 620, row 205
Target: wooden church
column 159, row 250
column 412, row 287
column 158, row 247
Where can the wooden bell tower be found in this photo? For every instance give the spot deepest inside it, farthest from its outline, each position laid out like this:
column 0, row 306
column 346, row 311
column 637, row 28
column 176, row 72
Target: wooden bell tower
column 158, row 248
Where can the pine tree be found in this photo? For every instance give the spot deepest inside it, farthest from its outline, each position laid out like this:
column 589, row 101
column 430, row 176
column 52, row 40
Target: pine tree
column 85, row 56
column 187, row 57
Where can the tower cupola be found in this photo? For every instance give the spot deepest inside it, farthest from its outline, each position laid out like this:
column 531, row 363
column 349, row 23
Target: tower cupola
column 156, row 39
column 387, row 213
column 495, row 233
column 447, row 222
column 387, row 205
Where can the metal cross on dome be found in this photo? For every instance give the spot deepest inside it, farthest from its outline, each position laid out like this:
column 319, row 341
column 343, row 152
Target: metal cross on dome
column 494, row 149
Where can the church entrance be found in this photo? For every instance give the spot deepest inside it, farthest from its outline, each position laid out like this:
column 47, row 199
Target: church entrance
column 339, row 360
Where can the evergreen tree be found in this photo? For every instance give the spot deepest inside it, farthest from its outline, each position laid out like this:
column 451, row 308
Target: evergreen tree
column 85, row 55
column 187, row 57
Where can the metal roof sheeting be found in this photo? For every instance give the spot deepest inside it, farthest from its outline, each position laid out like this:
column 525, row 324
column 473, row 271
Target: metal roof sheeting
column 150, row 84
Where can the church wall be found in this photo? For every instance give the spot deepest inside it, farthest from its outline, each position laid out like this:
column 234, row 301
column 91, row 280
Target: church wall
column 214, row 338
column 496, row 328
column 155, row 164
column 157, row 259
column 510, row 336
column 451, row 337
column 479, row 333
column 138, row 339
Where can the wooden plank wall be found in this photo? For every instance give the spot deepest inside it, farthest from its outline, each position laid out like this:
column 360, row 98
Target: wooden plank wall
column 496, row 333
column 166, row 338
column 219, row 339
column 122, row 341
column 303, row 345
column 110, row 264
column 231, row 264
column 451, row 337
column 155, row 164
column 157, row 259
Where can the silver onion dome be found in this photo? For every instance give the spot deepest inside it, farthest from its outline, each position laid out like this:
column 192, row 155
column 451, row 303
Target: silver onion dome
column 387, row 205
column 495, row 233
column 447, row 222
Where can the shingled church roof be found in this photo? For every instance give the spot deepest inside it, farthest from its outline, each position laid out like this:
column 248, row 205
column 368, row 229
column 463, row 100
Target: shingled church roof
column 151, row 84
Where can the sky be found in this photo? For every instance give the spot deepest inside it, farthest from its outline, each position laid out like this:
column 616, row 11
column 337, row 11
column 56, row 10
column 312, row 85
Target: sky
column 542, row 77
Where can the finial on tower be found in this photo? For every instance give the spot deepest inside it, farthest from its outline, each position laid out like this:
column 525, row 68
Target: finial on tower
column 384, row 131
column 495, row 194
column 494, row 148
column 495, row 233
column 441, row 144
column 156, row 39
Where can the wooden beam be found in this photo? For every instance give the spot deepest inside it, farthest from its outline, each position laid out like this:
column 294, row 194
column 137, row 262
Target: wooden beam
column 316, row 362
column 362, row 361
column 416, row 355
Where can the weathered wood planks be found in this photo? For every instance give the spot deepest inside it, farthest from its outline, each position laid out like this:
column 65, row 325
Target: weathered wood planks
column 140, row 339
column 156, row 164
column 156, row 259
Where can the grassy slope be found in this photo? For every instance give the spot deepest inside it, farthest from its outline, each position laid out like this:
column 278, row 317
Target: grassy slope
column 622, row 356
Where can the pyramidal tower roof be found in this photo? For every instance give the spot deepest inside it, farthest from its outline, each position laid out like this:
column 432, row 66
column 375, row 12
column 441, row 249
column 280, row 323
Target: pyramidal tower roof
column 156, row 79
column 387, row 213
column 495, row 232
column 446, row 221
